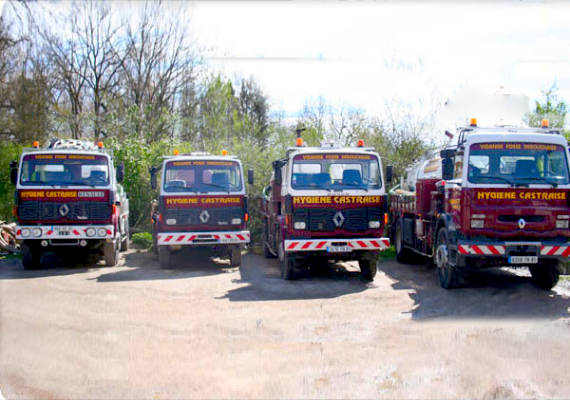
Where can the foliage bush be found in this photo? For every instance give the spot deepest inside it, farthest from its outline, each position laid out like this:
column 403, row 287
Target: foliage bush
column 8, row 151
column 142, row 239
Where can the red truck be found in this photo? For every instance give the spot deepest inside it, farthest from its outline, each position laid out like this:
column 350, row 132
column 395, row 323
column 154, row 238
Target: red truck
column 326, row 203
column 68, row 198
column 202, row 203
column 500, row 197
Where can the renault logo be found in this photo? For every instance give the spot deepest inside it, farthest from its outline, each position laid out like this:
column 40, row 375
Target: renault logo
column 204, row 216
column 522, row 223
column 63, row 210
column 338, row 219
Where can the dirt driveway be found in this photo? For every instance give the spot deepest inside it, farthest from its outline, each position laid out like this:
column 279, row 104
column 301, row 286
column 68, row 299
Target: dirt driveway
column 204, row 330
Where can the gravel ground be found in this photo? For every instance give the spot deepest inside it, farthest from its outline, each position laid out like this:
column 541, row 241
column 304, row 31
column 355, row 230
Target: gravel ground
column 205, row 330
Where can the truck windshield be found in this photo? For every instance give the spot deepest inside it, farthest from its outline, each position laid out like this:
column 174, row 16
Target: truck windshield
column 335, row 171
column 518, row 164
column 202, row 176
column 64, row 170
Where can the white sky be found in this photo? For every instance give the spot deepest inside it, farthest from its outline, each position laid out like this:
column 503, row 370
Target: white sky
column 366, row 54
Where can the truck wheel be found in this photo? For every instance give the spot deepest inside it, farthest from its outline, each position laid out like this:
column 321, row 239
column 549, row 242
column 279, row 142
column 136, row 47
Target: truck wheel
column 30, row 260
column 111, row 253
column 125, row 241
column 287, row 262
column 545, row 275
column 403, row 254
column 164, row 257
column 368, row 269
column 264, row 237
column 235, row 256
column 448, row 274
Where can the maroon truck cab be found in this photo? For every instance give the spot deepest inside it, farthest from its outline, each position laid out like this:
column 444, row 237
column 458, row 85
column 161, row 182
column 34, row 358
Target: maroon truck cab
column 325, row 203
column 202, row 203
column 502, row 198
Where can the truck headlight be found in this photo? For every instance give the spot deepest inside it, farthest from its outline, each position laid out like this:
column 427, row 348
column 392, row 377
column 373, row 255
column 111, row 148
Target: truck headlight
column 101, row 232
column 171, row 221
column 37, row 232
column 90, row 232
column 25, row 232
column 562, row 221
column 477, row 223
column 374, row 224
column 299, row 225
column 236, row 221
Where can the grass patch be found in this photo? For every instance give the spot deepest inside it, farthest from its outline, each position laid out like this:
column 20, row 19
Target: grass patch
column 142, row 240
column 388, row 254
column 10, row 256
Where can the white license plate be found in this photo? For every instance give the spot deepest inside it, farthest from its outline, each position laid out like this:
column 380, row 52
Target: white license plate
column 339, row 249
column 63, row 231
column 523, row 260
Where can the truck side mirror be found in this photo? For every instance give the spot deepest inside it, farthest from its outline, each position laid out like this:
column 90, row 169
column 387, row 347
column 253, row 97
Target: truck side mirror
column 14, row 172
column 277, row 168
column 447, row 168
column 250, row 176
column 153, row 181
column 389, row 173
column 120, row 172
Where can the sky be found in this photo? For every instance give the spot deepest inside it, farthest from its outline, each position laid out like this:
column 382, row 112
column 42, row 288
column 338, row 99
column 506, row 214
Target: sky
column 370, row 54
column 485, row 59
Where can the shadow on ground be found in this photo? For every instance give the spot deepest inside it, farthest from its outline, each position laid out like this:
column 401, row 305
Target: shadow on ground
column 189, row 263
column 51, row 265
column 491, row 293
column 264, row 281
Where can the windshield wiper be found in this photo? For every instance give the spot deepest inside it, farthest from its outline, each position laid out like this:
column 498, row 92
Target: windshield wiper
column 225, row 188
column 541, row 178
column 495, row 177
column 357, row 185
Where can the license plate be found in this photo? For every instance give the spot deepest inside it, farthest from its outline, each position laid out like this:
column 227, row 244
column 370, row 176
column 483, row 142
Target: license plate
column 523, row 260
column 339, row 249
column 63, row 231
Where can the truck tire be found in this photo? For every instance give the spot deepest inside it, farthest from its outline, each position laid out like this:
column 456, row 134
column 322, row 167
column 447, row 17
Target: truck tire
column 164, row 257
column 368, row 269
column 286, row 261
column 125, row 239
column 264, row 237
column 447, row 274
column 111, row 253
column 235, row 256
column 403, row 254
column 545, row 275
column 30, row 259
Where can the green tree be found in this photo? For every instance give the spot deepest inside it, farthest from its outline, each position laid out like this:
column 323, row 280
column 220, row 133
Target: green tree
column 550, row 107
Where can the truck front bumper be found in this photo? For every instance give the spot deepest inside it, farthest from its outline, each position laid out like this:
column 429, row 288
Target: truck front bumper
column 337, row 244
column 52, row 232
column 202, row 238
column 510, row 253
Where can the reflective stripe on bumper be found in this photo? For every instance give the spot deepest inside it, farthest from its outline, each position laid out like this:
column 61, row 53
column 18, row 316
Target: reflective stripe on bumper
column 561, row 250
column 65, row 232
column 322, row 244
column 199, row 238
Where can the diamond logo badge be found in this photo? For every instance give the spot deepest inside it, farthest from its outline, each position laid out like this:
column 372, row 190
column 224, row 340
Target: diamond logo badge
column 338, row 219
column 63, row 210
column 522, row 223
column 204, row 216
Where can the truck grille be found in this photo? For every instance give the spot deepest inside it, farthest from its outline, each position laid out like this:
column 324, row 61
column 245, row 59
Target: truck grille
column 191, row 216
column 515, row 218
column 78, row 211
column 322, row 220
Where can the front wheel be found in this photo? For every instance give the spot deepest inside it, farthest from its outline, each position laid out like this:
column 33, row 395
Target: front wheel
column 125, row 239
column 368, row 269
column 546, row 275
column 447, row 273
column 111, row 253
column 164, row 257
column 30, row 259
column 286, row 261
column 235, row 256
